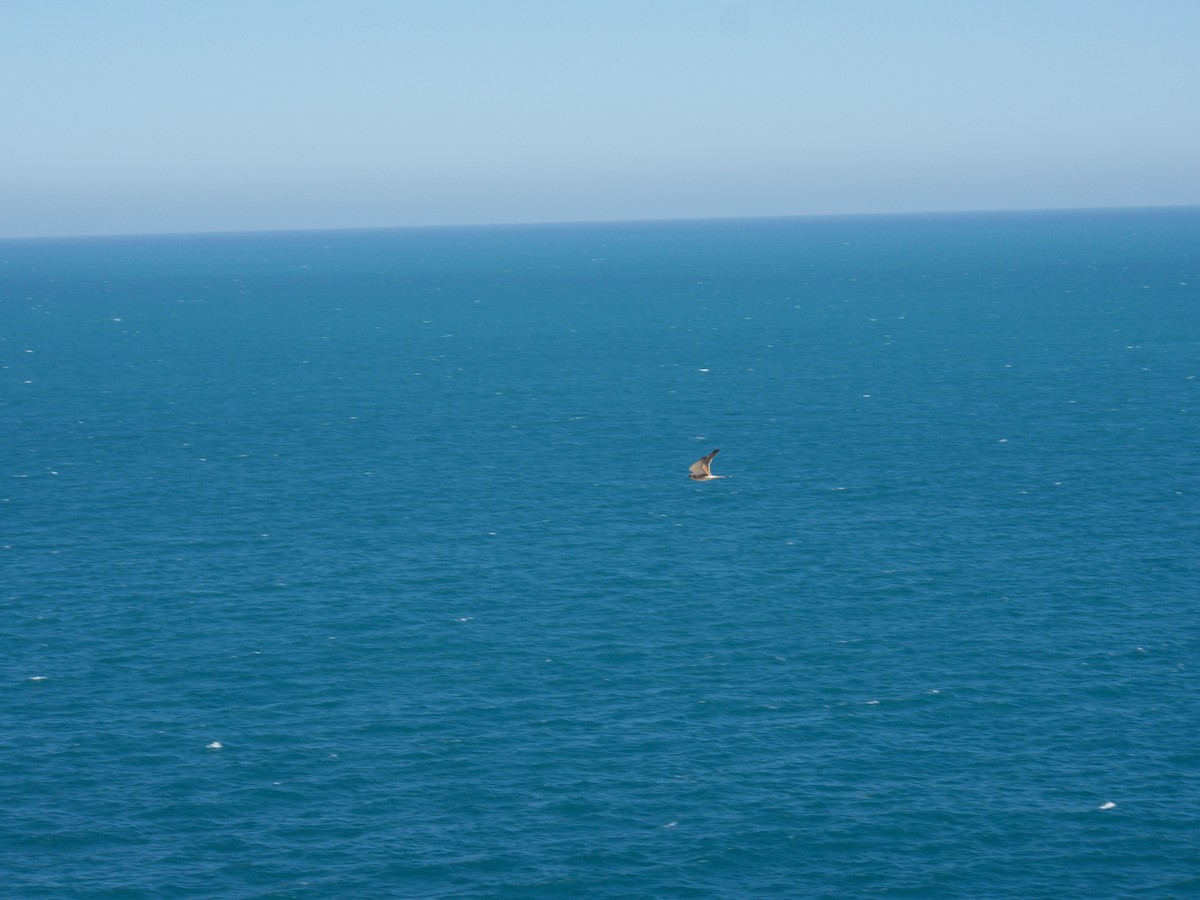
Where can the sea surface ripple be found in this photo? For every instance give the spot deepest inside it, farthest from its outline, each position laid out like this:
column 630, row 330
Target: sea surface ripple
column 365, row 564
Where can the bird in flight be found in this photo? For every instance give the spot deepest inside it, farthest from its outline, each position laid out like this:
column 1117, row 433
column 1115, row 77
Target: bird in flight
column 701, row 469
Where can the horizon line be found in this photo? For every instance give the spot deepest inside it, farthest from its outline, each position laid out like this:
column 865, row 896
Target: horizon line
column 549, row 223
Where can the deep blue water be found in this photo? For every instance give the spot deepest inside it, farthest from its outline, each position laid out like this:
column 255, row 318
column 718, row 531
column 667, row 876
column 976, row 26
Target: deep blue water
column 400, row 520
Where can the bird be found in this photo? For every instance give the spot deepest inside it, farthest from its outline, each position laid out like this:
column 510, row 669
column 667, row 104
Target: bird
column 701, row 469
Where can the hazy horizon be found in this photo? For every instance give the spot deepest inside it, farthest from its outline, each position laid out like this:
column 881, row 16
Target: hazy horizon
column 614, row 221
column 139, row 118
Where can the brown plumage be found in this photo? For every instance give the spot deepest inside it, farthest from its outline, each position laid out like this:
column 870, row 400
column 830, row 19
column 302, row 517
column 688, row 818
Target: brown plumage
column 701, row 469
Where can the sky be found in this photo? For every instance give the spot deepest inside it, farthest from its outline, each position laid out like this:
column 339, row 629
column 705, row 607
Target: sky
column 144, row 116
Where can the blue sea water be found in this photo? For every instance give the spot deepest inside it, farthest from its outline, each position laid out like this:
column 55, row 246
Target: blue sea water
column 365, row 564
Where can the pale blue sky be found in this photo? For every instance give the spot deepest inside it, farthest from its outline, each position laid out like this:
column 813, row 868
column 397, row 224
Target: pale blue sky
column 132, row 116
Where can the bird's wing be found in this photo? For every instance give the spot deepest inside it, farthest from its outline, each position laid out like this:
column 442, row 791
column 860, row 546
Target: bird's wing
column 703, row 465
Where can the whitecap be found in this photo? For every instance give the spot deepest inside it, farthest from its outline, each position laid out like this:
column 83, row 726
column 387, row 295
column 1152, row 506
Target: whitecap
column 215, row 745
column 1108, row 805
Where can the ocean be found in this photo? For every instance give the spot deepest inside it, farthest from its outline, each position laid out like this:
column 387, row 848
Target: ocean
column 366, row 563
